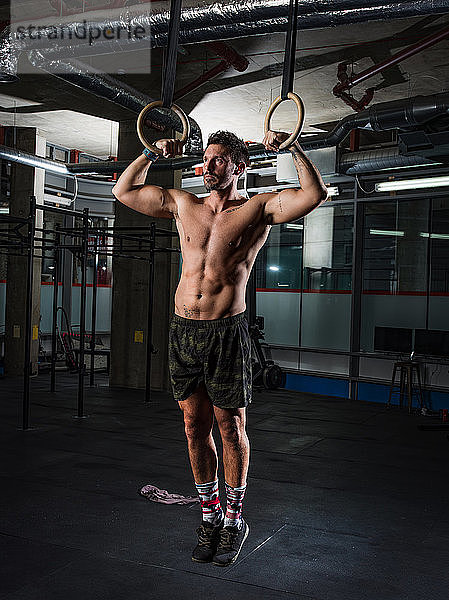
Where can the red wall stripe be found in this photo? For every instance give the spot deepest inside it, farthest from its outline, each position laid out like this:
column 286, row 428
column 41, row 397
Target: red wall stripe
column 368, row 292
column 293, row 291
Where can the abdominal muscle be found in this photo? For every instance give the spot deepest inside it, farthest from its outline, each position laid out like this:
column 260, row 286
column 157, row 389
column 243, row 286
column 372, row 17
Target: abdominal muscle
column 218, row 252
column 211, row 294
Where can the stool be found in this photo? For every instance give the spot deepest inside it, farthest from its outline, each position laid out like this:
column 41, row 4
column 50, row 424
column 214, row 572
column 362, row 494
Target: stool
column 406, row 370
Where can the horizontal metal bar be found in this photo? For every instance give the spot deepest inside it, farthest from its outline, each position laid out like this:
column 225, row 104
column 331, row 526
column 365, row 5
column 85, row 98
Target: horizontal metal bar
column 376, row 355
column 62, row 211
column 9, row 219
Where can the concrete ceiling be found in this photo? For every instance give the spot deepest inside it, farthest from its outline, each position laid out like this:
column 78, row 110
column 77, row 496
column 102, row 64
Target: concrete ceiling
column 74, row 118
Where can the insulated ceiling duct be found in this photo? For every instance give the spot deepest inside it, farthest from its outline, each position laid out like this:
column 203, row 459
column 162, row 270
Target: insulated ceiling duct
column 107, row 87
column 206, row 21
column 398, row 114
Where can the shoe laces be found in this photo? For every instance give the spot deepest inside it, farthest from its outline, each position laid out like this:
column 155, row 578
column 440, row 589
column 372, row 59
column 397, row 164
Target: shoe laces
column 227, row 538
column 205, row 535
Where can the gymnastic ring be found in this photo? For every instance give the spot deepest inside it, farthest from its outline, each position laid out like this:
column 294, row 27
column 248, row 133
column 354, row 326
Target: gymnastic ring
column 141, row 121
column 299, row 125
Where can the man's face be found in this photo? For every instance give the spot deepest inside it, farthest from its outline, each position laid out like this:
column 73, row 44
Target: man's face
column 218, row 168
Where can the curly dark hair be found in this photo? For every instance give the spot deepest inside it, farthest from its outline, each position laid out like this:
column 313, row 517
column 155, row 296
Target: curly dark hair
column 236, row 146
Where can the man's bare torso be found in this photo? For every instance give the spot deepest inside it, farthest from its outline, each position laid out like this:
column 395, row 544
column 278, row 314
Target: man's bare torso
column 218, row 252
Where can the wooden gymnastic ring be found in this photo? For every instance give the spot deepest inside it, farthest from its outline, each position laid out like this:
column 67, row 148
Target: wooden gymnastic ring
column 299, row 125
column 141, row 121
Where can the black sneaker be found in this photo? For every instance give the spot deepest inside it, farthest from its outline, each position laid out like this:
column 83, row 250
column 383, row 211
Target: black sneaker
column 208, row 538
column 230, row 544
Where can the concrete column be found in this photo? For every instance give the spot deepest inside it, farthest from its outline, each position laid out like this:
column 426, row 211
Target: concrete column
column 130, row 288
column 25, row 182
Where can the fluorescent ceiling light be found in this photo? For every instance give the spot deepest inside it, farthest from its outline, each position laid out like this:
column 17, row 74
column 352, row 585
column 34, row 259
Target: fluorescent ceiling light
column 294, row 226
column 386, row 232
column 274, row 268
column 429, row 164
column 412, row 184
column 435, row 236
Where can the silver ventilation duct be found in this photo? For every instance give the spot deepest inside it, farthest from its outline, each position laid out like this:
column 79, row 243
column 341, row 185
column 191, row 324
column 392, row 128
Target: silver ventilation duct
column 353, row 163
column 207, row 22
column 107, row 87
column 31, row 160
column 398, row 114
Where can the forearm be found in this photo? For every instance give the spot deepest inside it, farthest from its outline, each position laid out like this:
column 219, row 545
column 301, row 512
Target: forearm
column 133, row 177
column 309, row 177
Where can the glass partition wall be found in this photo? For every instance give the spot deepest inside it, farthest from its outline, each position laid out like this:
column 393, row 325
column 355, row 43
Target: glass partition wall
column 325, row 315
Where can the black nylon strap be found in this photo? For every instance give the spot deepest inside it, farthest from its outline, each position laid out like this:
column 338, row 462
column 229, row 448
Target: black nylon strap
column 171, row 53
column 290, row 51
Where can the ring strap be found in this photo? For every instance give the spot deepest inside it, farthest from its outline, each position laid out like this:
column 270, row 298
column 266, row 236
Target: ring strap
column 290, row 51
column 171, row 54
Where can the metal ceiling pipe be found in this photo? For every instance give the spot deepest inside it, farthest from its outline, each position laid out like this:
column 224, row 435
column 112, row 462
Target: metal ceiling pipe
column 352, row 163
column 107, row 87
column 398, row 114
column 94, row 168
column 357, row 78
column 231, row 59
column 109, row 167
column 31, row 160
column 234, row 59
column 219, row 68
column 346, row 82
column 314, row 20
column 213, row 21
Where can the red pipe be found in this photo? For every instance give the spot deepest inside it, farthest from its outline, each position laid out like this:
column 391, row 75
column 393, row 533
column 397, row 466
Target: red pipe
column 231, row 58
column 206, row 76
column 346, row 83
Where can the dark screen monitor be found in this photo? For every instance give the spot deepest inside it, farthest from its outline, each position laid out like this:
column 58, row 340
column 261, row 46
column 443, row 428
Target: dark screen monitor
column 393, row 339
column 432, row 342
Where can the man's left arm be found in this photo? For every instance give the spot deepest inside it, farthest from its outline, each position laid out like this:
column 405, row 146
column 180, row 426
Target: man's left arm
column 291, row 204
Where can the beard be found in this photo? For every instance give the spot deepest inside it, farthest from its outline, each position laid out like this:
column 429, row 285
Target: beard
column 211, row 185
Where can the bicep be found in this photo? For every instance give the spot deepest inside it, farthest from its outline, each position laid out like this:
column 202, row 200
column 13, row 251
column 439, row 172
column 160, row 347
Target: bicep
column 151, row 200
column 289, row 205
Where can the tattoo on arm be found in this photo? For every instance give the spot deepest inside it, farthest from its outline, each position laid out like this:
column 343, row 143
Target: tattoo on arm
column 298, row 162
column 280, row 202
column 307, row 172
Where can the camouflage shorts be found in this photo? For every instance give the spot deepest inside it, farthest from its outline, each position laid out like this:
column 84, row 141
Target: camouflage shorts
column 217, row 352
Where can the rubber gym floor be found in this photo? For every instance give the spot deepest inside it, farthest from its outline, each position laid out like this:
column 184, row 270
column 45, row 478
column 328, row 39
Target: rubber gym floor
column 345, row 501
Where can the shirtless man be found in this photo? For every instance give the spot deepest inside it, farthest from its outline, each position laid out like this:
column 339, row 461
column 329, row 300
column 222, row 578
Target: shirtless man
column 209, row 344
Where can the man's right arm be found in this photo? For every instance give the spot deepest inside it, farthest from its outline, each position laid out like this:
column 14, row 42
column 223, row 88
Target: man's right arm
column 151, row 200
